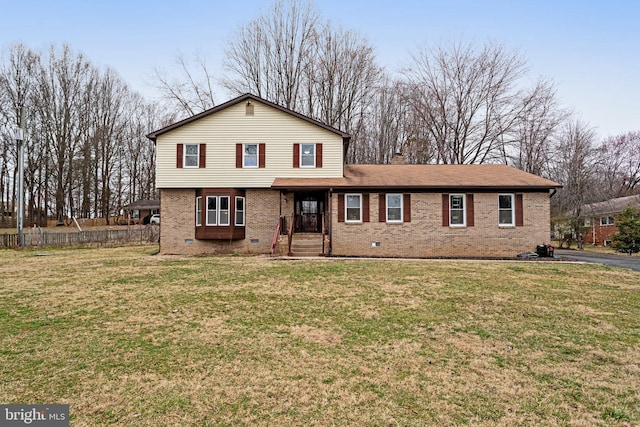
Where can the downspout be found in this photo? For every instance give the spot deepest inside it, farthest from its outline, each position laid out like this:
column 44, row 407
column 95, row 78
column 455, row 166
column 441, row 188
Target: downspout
column 330, row 222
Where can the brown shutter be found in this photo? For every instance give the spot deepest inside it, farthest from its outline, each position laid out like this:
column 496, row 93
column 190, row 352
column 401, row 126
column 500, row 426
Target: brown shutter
column 296, row 156
column 262, row 155
column 406, row 207
column 382, row 208
column 340, row 207
column 365, row 207
column 445, row 210
column 519, row 211
column 203, row 156
column 179, row 161
column 238, row 155
column 318, row 155
column 470, row 211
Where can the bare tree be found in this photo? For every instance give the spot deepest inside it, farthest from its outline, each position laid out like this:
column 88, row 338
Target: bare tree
column 573, row 165
column 270, row 55
column 193, row 92
column 467, row 99
column 619, row 168
column 534, row 129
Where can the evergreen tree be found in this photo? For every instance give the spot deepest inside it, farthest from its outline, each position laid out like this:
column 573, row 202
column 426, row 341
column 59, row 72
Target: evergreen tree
column 627, row 239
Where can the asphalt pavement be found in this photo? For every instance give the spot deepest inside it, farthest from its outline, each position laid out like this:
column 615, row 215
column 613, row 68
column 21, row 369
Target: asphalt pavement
column 612, row 260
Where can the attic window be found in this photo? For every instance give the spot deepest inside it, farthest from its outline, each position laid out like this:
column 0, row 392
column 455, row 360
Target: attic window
column 249, row 109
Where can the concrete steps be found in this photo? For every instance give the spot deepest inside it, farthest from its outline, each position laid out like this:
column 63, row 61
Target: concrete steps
column 306, row 245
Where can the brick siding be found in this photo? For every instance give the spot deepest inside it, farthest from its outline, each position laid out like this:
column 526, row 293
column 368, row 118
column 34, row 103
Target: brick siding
column 425, row 236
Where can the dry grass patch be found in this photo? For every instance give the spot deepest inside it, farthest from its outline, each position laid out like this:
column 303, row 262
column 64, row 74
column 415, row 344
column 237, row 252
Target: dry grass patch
column 127, row 337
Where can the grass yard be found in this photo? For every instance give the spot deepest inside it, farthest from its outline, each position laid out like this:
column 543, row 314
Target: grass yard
column 130, row 338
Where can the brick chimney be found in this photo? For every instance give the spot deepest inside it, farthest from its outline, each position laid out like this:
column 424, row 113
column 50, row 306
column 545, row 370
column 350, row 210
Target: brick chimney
column 398, row 159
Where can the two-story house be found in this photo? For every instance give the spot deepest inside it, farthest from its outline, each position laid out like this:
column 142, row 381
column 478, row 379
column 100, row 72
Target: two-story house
column 242, row 175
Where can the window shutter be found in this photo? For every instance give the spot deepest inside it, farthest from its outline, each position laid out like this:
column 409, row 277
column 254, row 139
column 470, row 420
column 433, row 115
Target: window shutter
column 202, row 163
column 382, row 207
column 318, row 155
column 519, row 211
column 470, row 211
column 406, row 207
column 340, row 207
column 296, row 156
column 262, row 155
column 238, row 155
column 365, row 207
column 445, row 210
column 179, row 160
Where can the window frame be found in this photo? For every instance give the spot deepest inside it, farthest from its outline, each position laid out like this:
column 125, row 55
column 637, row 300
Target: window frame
column 606, row 221
column 245, row 156
column 185, row 155
column 221, row 211
column 401, row 207
column 302, row 155
column 346, row 208
column 242, row 211
column 512, row 209
column 198, row 211
column 463, row 209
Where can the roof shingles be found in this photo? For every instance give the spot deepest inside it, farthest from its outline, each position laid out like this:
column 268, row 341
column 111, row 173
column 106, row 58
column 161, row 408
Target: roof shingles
column 424, row 177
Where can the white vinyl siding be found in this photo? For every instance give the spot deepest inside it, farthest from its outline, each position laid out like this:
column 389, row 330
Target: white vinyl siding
column 223, row 129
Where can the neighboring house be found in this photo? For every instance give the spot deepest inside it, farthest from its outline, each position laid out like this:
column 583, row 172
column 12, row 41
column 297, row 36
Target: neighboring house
column 228, row 177
column 601, row 218
column 135, row 212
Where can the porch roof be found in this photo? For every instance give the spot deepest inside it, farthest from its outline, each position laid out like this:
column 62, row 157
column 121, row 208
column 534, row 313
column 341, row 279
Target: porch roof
column 423, row 177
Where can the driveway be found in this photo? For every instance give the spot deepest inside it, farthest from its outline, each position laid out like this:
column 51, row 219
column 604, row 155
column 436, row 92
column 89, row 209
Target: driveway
column 612, row 260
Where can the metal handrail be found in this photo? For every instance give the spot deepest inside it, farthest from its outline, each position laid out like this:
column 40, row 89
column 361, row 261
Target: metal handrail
column 274, row 243
column 290, row 233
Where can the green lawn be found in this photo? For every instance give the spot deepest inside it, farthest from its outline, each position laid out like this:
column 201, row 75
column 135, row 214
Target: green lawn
column 127, row 338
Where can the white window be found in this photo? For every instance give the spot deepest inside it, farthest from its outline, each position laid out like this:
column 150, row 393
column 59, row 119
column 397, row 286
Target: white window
column 198, row 210
column 217, row 210
column 394, row 207
column 353, row 207
column 457, row 213
column 212, row 210
column 250, row 156
column 223, row 210
column 307, row 155
column 506, row 209
column 607, row 220
column 239, row 210
column 191, row 155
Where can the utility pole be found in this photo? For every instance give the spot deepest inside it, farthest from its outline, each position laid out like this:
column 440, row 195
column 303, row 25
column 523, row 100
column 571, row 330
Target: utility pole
column 20, row 142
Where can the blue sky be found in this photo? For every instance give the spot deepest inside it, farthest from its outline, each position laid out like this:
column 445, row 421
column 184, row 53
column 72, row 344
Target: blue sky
column 590, row 49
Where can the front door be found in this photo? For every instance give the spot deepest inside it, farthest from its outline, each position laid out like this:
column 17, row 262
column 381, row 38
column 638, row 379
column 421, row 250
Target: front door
column 309, row 214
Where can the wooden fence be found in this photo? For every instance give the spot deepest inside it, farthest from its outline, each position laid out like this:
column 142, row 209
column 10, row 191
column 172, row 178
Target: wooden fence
column 41, row 238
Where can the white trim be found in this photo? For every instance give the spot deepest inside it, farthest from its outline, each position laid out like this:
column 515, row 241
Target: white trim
column 346, row 207
column 235, row 211
column 314, row 155
column 513, row 210
column 464, row 210
column 184, row 156
column 244, row 156
column 401, row 207
column 198, row 212
column 214, row 211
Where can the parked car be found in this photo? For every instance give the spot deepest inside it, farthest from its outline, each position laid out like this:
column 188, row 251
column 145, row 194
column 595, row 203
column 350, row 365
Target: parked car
column 155, row 219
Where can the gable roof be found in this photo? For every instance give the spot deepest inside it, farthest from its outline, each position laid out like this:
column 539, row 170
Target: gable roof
column 424, row 177
column 612, row 206
column 246, row 97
